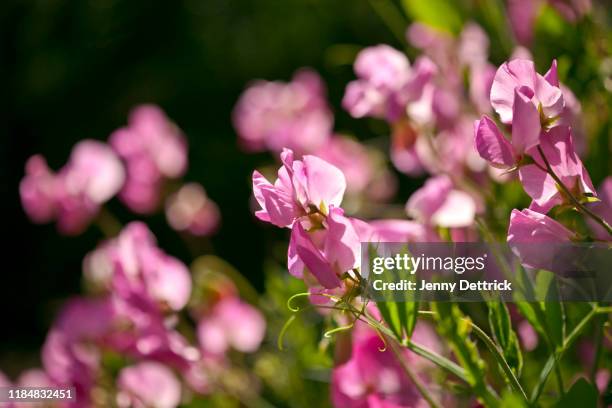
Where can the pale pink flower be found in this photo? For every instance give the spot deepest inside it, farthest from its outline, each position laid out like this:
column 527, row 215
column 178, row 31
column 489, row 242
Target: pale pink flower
column 386, row 83
column 558, row 148
column 148, row 384
column 72, row 196
column 231, row 324
column 154, row 149
column 278, row 115
column 439, row 203
column 326, row 251
column 528, row 336
column 522, row 15
column 527, row 229
column 190, row 209
column 518, row 91
column 352, row 158
column 303, row 187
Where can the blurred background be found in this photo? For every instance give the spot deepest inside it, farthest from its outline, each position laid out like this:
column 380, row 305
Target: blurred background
column 73, row 70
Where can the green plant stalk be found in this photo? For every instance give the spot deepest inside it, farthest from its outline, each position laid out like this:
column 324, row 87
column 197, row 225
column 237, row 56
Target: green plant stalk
column 514, row 382
column 567, row 343
column 573, row 199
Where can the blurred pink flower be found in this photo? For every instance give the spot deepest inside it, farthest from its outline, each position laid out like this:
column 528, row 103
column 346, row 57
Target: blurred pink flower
column 231, row 323
column 277, row 115
column 602, row 208
column 148, row 384
column 528, row 335
column 386, row 83
column 439, row 203
column 304, row 187
column 374, row 378
column 153, row 149
column 133, row 268
column 522, row 15
column 352, row 158
column 70, row 355
column 190, row 209
column 392, row 230
column 72, row 196
column 558, row 148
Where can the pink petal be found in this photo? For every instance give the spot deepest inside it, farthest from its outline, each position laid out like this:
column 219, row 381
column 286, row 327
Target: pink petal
column 312, row 258
column 525, row 122
column 325, row 182
column 492, row 145
column 342, row 245
column 509, row 76
column 551, row 75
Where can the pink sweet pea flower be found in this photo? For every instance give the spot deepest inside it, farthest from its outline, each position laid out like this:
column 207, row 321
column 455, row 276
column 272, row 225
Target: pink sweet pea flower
column 327, row 251
column 190, row 209
column 374, row 378
column 231, row 323
column 522, row 15
column 70, row 355
column 386, row 83
column 517, row 82
column 438, row 203
column 303, row 187
column 277, row 115
column 352, row 158
column 558, row 148
column 133, row 268
column 153, row 149
column 527, row 228
column 148, row 384
column 73, row 196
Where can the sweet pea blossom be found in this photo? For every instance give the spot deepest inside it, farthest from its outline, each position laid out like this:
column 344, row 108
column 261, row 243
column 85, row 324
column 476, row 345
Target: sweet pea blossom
column 153, row 149
column 231, row 323
column 439, row 203
column 303, row 187
column 190, row 209
column 527, row 229
column 373, row 378
column 148, row 384
column 278, row 115
column 524, row 98
column 558, row 149
column 386, row 83
column 135, row 269
column 73, row 195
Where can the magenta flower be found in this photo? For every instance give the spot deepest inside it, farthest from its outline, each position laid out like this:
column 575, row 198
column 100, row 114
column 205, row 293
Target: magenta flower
column 70, row 355
column 303, row 187
column 154, row 149
column 231, row 324
column 374, row 378
column 558, row 148
column 72, row 196
column 277, row 115
column 439, row 203
column 133, row 268
column 190, row 209
column 148, row 384
column 386, row 83
column 527, row 228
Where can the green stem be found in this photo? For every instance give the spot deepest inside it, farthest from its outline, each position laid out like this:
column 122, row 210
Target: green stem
column 573, row 199
column 414, row 378
column 567, row 343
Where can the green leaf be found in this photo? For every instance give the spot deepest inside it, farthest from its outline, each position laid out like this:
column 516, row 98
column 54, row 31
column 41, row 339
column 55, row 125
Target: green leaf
column 440, row 14
column 582, row 394
column 552, row 308
column 506, row 338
